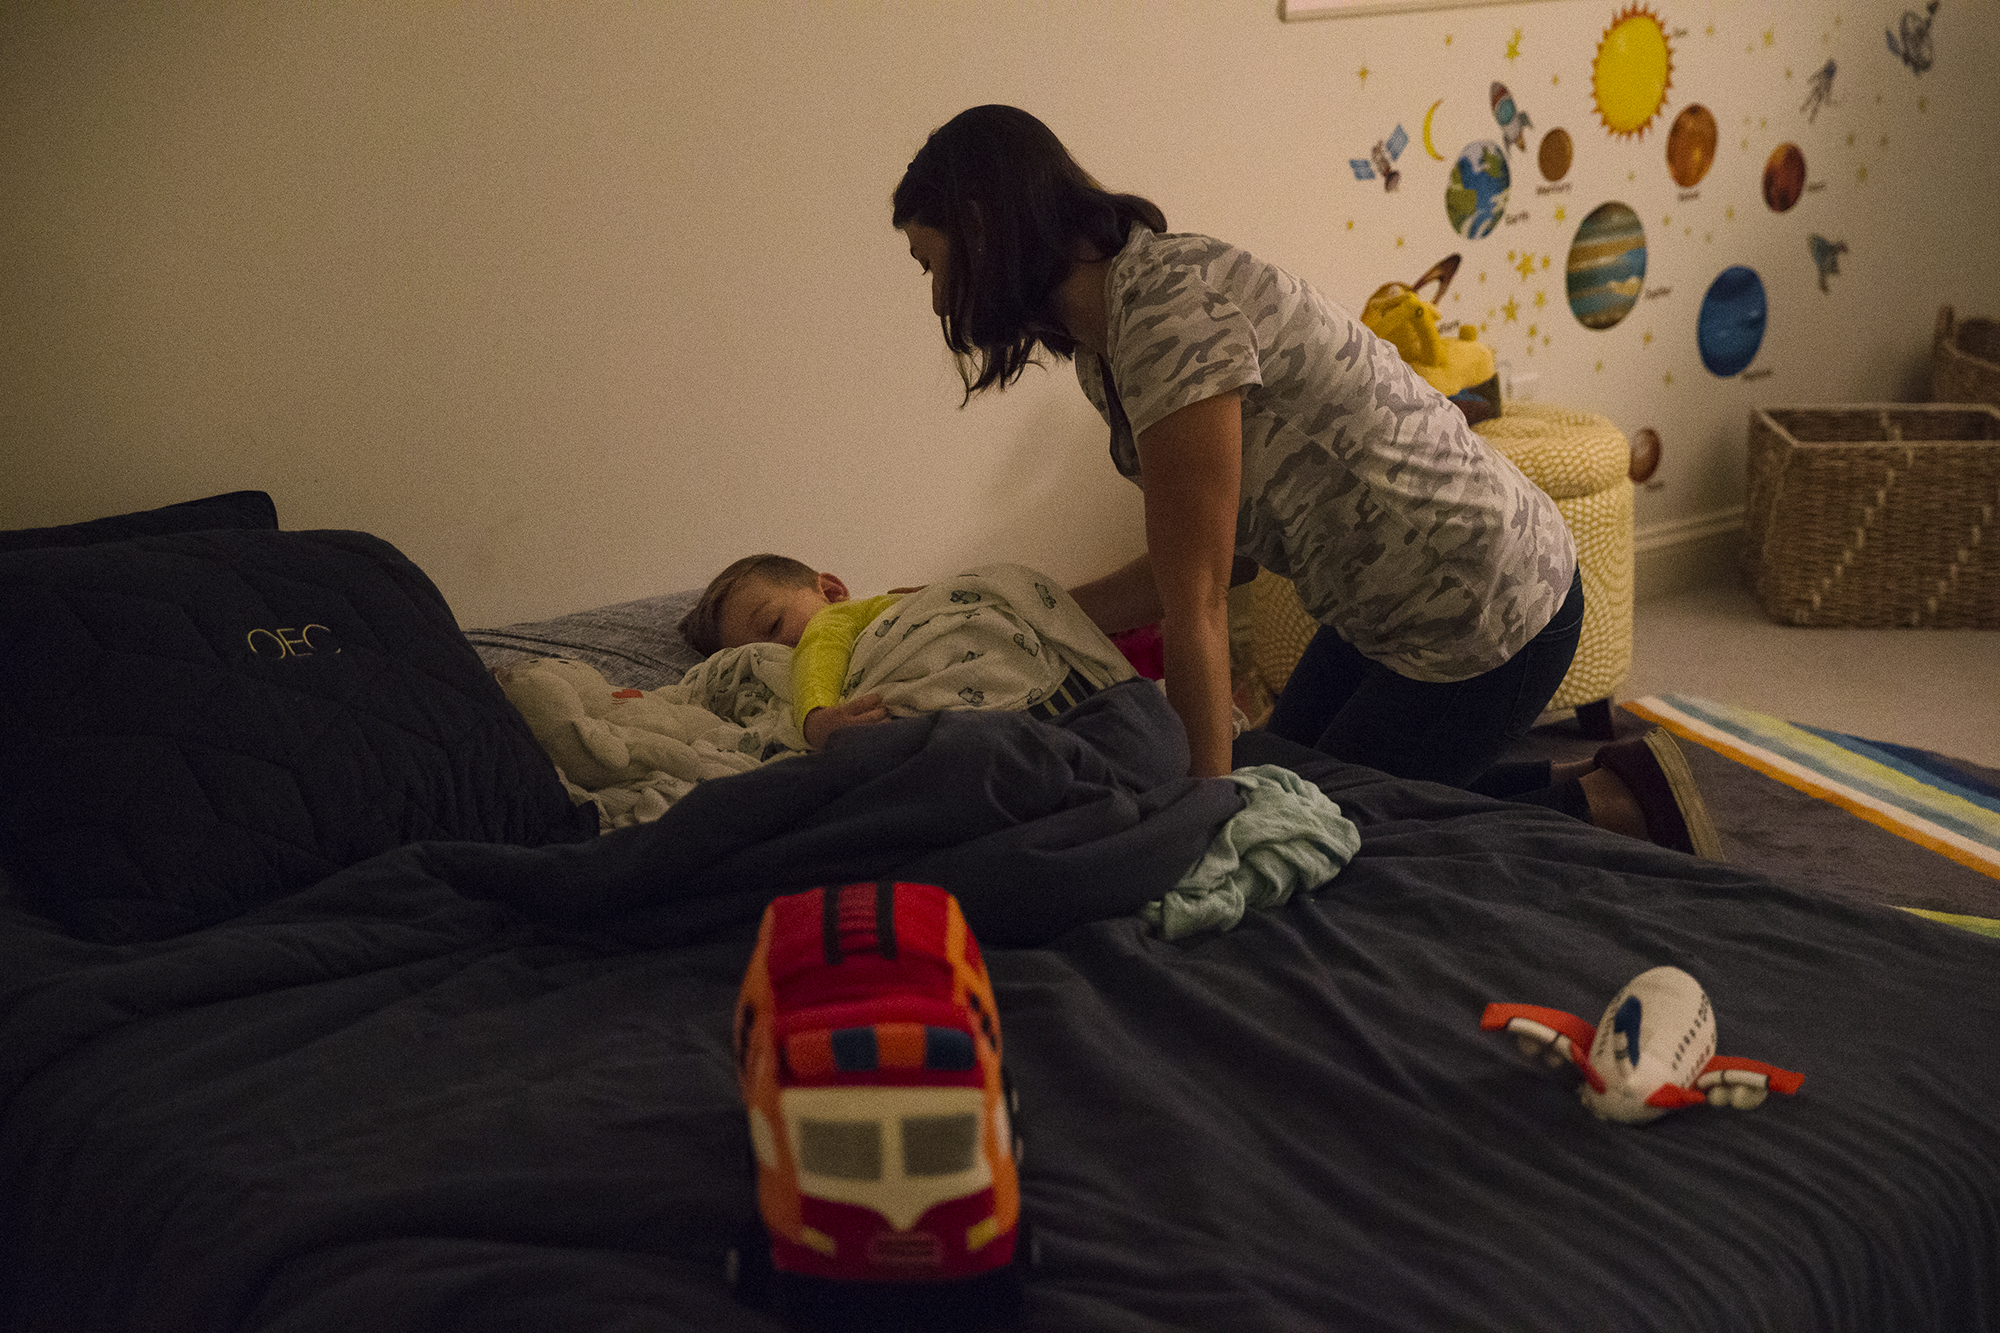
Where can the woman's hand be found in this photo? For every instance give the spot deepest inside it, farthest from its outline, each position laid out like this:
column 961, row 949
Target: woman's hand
column 1192, row 464
column 860, row 712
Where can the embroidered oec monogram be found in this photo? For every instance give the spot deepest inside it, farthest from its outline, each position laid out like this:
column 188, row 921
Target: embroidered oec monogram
column 290, row 642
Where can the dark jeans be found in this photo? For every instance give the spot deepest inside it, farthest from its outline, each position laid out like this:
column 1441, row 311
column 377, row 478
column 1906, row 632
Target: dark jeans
column 1353, row 708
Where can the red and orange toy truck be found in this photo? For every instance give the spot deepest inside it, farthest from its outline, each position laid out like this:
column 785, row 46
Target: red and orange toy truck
column 868, row 1053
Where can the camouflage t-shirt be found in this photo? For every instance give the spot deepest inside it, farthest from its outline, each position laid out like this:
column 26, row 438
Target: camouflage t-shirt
column 1407, row 534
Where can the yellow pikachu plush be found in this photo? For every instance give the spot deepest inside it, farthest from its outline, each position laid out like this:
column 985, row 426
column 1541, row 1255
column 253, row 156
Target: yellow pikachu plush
column 1398, row 315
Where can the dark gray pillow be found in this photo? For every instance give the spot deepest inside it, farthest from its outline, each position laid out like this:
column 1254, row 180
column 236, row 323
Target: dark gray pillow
column 237, row 509
column 634, row 645
column 201, row 722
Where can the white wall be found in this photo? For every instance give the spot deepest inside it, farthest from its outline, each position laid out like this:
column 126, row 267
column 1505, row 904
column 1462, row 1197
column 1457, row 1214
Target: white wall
column 575, row 304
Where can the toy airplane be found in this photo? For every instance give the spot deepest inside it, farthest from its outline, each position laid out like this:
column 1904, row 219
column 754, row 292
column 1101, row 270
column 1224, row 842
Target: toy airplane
column 1652, row 1052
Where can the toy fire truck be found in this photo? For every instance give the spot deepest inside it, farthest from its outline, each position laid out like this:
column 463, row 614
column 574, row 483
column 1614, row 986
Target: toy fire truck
column 868, row 1052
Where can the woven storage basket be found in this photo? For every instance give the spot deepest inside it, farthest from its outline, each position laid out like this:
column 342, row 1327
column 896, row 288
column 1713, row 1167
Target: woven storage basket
column 1965, row 360
column 1876, row 514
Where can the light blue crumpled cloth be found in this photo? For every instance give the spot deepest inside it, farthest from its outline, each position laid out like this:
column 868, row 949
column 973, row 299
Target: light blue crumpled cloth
column 1287, row 836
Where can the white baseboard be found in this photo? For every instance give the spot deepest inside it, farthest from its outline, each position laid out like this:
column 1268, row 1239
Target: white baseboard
column 1679, row 554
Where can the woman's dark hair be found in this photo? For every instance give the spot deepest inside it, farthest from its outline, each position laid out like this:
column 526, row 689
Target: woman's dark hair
column 1016, row 212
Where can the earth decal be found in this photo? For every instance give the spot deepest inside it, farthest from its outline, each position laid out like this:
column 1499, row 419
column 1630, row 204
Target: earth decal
column 1477, row 193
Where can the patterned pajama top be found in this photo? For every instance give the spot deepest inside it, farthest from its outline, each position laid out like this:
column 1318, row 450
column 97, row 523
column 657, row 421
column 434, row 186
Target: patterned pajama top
column 1407, row 534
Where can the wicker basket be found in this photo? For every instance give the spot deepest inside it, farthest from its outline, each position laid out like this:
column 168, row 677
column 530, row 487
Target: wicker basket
column 1876, row 514
column 1965, row 360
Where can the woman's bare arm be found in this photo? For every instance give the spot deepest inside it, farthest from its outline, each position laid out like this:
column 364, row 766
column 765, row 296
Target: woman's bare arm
column 1192, row 461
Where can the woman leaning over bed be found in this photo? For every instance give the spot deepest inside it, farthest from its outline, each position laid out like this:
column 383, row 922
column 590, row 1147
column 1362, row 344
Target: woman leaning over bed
column 1268, row 427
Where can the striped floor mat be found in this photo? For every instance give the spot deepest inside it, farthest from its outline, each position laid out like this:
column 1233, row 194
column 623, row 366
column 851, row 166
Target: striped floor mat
column 1912, row 793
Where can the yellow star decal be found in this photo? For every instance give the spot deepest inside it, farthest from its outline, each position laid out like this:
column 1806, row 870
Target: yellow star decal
column 1541, row 299
column 1647, row 341
column 1511, row 309
column 1363, row 72
column 1559, row 213
column 1531, row 331
column 1514, row 45
column 1670, row 377
column 1730, row 212
column 1667, row 220
column 1770, row 36
column 1527, row 266
column 1861, row 176
column 1399, row 242
column 1600, row 367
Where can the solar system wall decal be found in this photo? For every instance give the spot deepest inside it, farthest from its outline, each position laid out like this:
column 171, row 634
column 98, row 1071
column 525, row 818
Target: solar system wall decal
column 1604, row 194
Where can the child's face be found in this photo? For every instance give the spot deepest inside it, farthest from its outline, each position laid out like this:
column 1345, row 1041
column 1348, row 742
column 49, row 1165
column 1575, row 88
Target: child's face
column 759, row 610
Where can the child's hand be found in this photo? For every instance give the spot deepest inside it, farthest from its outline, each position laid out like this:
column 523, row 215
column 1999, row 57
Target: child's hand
column 823, row 722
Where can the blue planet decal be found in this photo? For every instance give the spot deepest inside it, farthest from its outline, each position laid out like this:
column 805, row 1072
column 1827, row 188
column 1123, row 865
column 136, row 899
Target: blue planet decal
column 1606, row 269
column 1477, row 193
column 1730, row 328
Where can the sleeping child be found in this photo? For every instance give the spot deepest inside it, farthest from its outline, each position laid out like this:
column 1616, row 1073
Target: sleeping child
column 998, row 637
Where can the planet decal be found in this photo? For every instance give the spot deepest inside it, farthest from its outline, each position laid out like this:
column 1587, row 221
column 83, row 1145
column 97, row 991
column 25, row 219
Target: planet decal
column 1440, row 273
column 1645, row 454
column 1554, row 155
column 1691, row 146
column 1784, row 177
column 1476, row 194
column 1730, row 327
column 1606, row 270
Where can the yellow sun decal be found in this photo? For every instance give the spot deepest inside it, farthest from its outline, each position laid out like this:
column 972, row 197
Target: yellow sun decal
column 1632, row 72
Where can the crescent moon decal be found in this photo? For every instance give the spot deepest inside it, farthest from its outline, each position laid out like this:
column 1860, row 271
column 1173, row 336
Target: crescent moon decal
column 1428, row 146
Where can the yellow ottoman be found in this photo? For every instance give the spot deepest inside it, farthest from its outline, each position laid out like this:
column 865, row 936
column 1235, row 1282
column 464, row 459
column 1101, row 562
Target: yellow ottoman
column 1582, row 461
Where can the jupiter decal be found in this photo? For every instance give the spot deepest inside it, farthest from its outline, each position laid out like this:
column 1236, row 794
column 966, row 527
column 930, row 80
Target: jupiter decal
column 1607, row 266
